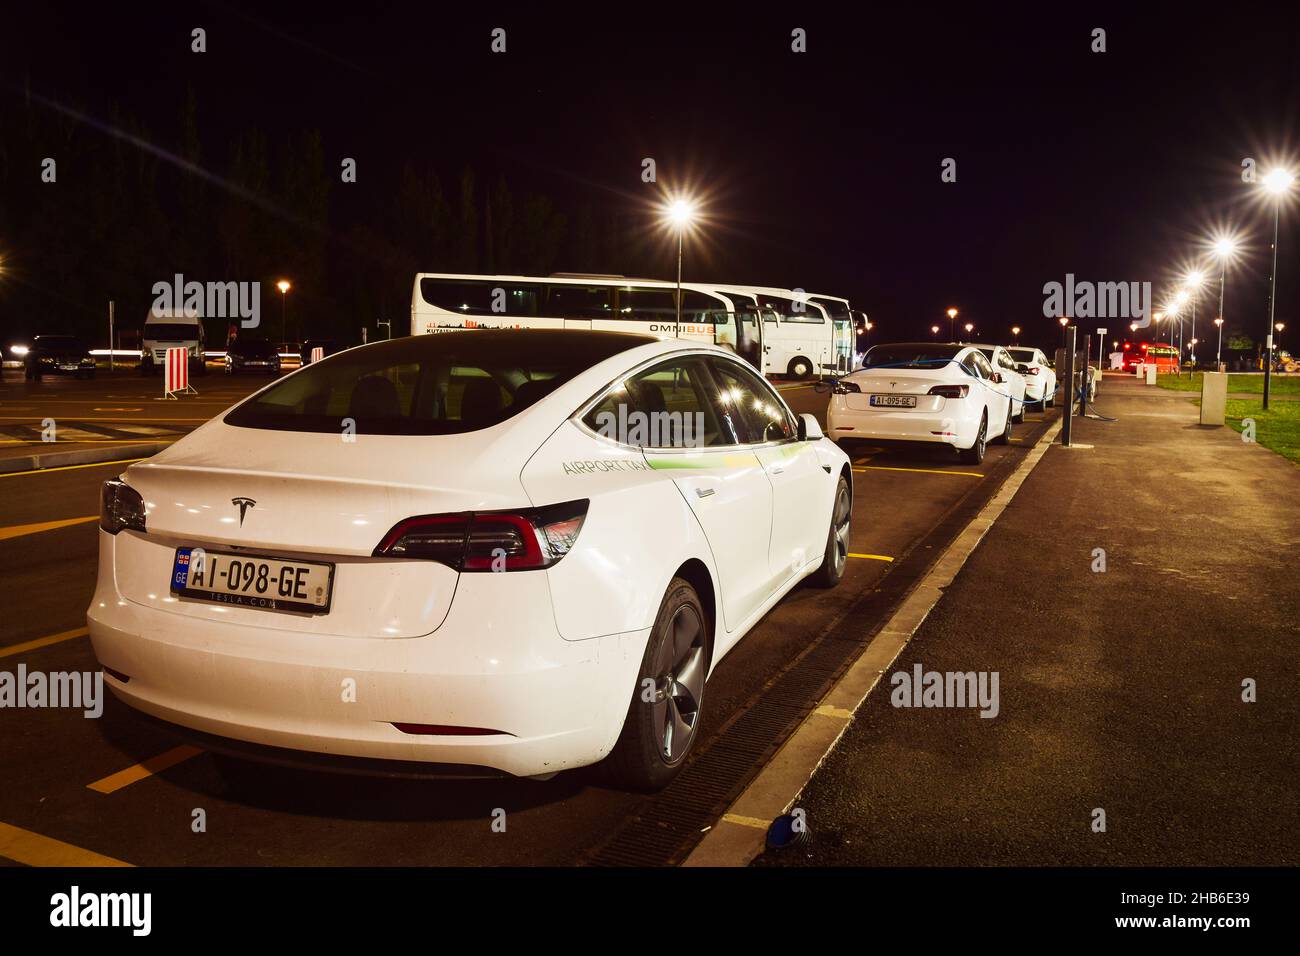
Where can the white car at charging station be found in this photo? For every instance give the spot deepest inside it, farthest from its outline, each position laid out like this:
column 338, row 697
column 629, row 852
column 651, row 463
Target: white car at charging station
column 478, row 552
column 1040, row 377
column 924, row 392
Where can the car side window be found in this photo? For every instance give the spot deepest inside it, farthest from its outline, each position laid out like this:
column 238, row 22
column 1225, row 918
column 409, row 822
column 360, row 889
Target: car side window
column 745, row 398
column 668, row 405
column 982, row 365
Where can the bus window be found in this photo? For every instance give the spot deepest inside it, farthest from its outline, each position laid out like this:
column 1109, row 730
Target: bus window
column 647, row 305
column 481, row 297
column 579, row 301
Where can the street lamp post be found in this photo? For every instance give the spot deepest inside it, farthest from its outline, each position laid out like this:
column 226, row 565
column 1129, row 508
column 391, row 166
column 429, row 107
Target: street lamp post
column 1278, row 182
column 284, row 287
column 680, row 213
column 970, row 327
column 1218, row 351
column 934, row 330
column 1194, row 280
column 1064, row 320
column 1015, row 331
column 952, row 317
column 1225, row 248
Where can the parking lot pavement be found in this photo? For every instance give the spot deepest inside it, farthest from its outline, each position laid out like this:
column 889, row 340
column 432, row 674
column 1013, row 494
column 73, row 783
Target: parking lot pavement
column 1120, row 690
column 121, row 789
column 111, row 414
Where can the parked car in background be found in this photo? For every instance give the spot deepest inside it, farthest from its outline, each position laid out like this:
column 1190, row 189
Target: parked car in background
column 252, row 355
column 1013, row 381
column 1040, row 377
column 58, row 355
column 923, row 392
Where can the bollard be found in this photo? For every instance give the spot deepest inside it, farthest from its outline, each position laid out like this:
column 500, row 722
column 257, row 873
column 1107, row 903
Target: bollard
column 1151, row 373
column 1214, row 397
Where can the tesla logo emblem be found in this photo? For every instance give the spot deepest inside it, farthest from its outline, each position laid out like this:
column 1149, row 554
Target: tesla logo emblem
column 243, row 504
column 892, row 384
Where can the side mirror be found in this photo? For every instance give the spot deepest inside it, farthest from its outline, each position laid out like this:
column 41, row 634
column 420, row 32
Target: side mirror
column 997, row 378
column 1022, row 368
column 809, row 429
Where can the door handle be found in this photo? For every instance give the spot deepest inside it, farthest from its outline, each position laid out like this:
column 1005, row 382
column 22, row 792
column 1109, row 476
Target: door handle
column 704, row 492
column 778, row 470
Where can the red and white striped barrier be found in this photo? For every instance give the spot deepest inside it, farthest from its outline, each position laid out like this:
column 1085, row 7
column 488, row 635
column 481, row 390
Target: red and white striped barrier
column 317, row 353
column 176, row 376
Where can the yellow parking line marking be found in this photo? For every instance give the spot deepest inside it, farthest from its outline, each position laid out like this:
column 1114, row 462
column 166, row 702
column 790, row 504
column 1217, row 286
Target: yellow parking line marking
column 32, row 849
column 743, row 821
column 39, row 642
column 872, row 557
column 925, row 471
column 791, row 388
column 18, row 530
column 46, row 471
column 124, row 778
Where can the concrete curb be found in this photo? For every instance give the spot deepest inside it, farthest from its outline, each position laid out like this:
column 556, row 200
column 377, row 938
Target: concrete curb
column 740, row 836
column 87, row 456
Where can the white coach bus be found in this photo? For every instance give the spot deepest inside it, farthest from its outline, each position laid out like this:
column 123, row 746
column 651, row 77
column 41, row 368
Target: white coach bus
column 803, row 334
column 442, row 302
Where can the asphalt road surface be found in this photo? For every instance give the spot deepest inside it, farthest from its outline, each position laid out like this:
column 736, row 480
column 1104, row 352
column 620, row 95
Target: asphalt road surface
column 120, row 789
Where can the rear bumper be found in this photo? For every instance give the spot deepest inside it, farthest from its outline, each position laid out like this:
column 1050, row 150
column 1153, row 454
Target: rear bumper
column 952, row 425
column 496, row 663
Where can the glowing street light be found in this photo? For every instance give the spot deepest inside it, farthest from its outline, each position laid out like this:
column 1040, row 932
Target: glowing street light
column 952, row 317
column 680, row 213
column 1276, row 183
column 1218, row 352
column 1015, row 331
column 284, row 287
column 969, row 328
column 934, row 330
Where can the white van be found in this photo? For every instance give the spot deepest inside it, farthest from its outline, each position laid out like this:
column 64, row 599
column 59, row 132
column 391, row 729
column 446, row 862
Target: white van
column 164, row 330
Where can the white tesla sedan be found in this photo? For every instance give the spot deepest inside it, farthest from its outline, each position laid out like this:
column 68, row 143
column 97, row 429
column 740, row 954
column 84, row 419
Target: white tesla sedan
column 1013, row 381
column 1040, row 377
column 924, row 392
column 510, row 551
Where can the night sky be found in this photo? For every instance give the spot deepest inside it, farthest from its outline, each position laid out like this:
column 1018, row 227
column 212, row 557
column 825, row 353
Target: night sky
column 818, row 170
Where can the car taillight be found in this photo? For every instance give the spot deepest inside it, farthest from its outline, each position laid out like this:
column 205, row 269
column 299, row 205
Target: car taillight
column 489, row 540
column 120, row 506
column 950, row 391
column 1033, row 370
column 844, row 388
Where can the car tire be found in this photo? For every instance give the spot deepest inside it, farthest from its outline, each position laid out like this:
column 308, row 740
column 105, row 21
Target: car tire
column 650, row 750
column 974, row 455
column 1005, row 437
column 800, row 368
column 836, row 558
column 1049, row 400
column 1019, row 416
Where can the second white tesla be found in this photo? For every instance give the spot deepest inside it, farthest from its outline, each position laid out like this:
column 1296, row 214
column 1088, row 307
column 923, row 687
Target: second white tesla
column 923, row 392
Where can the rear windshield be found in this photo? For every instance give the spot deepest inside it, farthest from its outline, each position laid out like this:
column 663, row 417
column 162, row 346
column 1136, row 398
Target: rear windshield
column 442, row 384
column 911, row 356
column 1022, row 355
